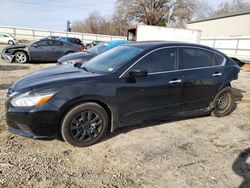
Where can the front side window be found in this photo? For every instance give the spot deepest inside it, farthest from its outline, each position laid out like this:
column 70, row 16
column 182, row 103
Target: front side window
column 45, row 43
column 158, row 61
column 196, row 58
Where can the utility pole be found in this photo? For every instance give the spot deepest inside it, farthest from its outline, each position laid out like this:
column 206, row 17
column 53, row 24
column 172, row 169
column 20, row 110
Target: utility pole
column 68, row 26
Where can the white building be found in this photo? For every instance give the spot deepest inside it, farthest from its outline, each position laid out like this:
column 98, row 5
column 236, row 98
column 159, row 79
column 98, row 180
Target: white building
column 229, row 33
column 235, row 24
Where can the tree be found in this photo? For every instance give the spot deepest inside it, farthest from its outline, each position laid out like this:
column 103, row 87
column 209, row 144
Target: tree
column 175, row 13
column 92, row 24
column 228, row 7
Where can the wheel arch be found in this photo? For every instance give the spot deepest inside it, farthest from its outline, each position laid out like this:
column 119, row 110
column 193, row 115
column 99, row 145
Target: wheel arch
column 75, row 102
column 223, row 86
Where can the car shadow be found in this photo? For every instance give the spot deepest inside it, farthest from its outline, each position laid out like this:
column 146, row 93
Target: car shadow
column 238, row 94
column 242, row 167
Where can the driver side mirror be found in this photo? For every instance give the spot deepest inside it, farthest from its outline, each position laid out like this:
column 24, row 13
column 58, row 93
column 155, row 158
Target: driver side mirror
column 138, row 73
column 35, row 45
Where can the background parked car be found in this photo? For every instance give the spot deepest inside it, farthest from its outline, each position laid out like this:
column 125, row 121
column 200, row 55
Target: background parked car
column 8, row 39
column 42, row 50
column 90, row 53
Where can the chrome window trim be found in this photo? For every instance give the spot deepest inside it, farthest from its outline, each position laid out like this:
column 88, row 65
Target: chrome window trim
column 223, row 63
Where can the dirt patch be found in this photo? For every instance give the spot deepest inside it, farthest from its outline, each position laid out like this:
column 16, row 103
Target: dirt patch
column 4, row 86
column 246, row 67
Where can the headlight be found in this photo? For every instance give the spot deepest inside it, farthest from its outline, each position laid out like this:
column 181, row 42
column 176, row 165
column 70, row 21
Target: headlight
column 73, row 61
column 28, row 99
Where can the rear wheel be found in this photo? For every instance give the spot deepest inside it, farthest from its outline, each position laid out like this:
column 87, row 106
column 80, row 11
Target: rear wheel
column 21, row 57
column 223, row 102
column 84, row 125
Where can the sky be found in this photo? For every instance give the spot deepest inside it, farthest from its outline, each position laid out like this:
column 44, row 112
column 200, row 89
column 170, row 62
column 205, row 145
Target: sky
column 53, row 14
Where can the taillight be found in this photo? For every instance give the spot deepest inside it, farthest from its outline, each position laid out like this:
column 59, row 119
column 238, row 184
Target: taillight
column 79, row 47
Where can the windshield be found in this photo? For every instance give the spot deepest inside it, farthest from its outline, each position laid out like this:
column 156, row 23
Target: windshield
column 111, row 60
column 98, row 48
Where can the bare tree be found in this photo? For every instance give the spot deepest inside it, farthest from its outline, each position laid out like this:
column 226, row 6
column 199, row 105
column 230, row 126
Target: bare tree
column 92, row 24
column 175, row 13
column 228, row 7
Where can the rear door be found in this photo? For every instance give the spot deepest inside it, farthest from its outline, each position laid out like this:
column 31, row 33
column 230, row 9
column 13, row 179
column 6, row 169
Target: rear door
column 157, row 94
column 202, row 75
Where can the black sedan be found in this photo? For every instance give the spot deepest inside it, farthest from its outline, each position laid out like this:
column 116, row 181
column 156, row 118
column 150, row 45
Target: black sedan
column 129, row 84
column 43, row 50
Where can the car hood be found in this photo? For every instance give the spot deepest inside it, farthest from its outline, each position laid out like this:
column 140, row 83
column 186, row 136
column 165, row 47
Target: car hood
column 57, row 76
column 77, row 55
column 15, row 46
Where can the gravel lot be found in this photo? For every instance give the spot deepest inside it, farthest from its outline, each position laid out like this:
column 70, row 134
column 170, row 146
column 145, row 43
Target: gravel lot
column 193, row 152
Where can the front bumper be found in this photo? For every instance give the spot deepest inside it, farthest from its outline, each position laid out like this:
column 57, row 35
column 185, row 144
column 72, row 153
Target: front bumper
column 7, row 57
column 37, row 122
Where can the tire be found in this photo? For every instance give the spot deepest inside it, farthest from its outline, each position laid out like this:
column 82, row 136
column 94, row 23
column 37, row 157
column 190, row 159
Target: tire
column 11, row 42
column 21, row 57
column 84, row 124
column 223, row 103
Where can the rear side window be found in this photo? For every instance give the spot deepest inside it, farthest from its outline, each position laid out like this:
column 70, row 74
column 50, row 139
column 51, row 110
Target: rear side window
column 59, row 43
column 75, row 41
column 196, row 58
column 218, row 59
column 158, row 61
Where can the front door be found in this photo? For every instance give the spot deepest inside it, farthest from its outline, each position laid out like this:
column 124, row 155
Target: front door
column 158, row 94
column 42, row 50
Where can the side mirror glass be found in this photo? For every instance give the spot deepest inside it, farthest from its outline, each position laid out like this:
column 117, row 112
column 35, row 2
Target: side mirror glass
column 35, row 45
column 138, row 73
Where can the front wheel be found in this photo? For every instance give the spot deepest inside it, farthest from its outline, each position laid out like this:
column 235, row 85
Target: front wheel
column 84, row 125
column 21, row 57
column 223, row 102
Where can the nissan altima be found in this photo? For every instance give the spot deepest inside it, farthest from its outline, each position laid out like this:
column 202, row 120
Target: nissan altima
column 129, row 84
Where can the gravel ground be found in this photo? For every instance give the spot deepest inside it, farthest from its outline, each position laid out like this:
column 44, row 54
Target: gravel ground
column 193, row 152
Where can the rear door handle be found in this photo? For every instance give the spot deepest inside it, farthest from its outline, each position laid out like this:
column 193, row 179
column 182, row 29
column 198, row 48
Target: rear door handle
column 217, row 74
column 175, row 81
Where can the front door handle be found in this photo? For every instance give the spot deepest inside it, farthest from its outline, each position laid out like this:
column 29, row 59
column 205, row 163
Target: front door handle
column 175, row 81
column 217, row 74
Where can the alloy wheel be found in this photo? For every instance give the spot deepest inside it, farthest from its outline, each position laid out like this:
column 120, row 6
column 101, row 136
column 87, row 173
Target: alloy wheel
column 20, row 57
column 86, row 126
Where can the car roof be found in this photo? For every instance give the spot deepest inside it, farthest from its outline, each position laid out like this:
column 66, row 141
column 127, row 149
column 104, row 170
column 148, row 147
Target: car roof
column 157, row 44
